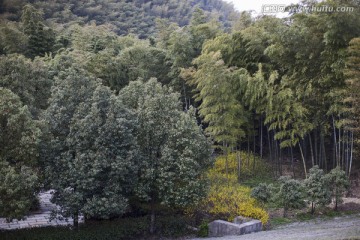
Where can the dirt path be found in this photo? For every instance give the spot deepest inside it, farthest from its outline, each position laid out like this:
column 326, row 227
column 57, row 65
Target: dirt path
column 332, row 229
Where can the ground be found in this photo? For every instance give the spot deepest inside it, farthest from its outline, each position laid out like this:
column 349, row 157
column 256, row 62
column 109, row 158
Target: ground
column 346, row 227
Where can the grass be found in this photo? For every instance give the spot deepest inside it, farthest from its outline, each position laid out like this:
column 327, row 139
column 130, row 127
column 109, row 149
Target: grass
column 120, row 229
column 278, row 221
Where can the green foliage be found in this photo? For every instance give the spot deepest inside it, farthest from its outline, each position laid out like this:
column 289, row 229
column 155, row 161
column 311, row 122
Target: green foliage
column 290, row 195
column 19, row 139
column 262, row 192
column 41, row 38
column 174, row 150
column 352, row 74
column 317, row 188
column 203, row 230
column 339, row 183
column 220, row 106
column 251, row 166
column 122, row 229
column 125, row 17
column 18, row 189
column 19, row 133
column 227, row 198
column 28, row 79
column 12, row 39
column 96, row 176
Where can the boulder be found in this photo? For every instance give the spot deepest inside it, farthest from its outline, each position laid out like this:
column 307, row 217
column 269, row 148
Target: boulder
column 219, row 228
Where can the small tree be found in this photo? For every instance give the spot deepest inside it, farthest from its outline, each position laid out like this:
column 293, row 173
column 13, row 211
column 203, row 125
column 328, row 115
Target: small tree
column 338, row 183
column 262, row 192
column 317, row 188
column 290, row 195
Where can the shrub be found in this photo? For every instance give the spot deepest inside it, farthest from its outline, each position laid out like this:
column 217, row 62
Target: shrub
column 290, row 195
column 230, row 201
column 203, row 229
column 317, row 188
column 262, row 192
column 338, row 183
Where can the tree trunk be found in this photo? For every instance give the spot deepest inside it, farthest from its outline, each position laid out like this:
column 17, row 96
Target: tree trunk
column 335, row 143
column 315, row 148
column 323, row 151
column 152, row 217
column 226, row 162
column 303, row 159
column 261, row 138
column 312, row 208
column 76, row 220
column 351, row 152
column 312, row 152
column 292, row 161
column 254, row 164
column 285, row 212
column 238, row 156
column 248, row 152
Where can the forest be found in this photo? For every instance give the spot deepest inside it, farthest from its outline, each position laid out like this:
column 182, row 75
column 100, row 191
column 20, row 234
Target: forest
column 134, row 111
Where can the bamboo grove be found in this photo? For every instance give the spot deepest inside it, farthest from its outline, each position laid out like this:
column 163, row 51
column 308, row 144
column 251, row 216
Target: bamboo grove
column 284, row 88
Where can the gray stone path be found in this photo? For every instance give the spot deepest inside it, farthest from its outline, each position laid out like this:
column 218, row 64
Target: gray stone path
column 40, row 218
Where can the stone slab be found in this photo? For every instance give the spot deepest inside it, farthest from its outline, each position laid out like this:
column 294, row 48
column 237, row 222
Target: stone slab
column 220, row 228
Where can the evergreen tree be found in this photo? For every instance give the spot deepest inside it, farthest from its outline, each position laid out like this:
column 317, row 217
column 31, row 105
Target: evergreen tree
column 317, row 188
column 290, row 194
column 98, row 167
column 175, row 153
column 339, row 183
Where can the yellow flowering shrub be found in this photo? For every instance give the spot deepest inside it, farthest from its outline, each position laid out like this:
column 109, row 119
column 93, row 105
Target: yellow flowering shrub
column 248, row 163
column 227, row 198
column 233, row 200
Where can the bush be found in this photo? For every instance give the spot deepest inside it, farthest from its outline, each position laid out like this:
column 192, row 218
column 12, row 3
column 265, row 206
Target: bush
column 228, row 199
column 290, row 195
column 262, row 193
column 203, row 229
column 317, row 188
column 338, row 183
column 227, row 202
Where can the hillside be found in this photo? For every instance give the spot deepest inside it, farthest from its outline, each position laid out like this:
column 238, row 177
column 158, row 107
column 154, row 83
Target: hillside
column 123, row 16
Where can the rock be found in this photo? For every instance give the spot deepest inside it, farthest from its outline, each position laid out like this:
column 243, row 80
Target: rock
column 252, row 226
column 219, row 228
column 241, row 220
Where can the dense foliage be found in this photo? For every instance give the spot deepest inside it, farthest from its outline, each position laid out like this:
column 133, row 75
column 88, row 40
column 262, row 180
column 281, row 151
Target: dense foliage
column 318, row 189
column 124, row 17
column 19, row 139
column 114, row 104
column 227, row 198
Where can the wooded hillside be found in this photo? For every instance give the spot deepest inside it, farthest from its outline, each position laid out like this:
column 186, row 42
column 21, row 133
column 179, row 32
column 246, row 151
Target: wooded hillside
column 123, row 17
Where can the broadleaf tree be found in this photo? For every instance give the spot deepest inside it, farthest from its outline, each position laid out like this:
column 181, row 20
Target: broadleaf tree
column 175, row 153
